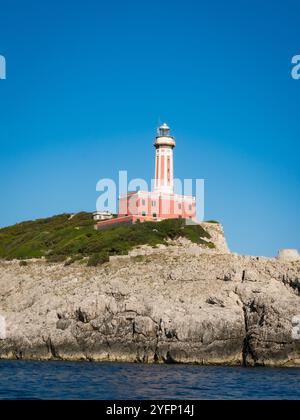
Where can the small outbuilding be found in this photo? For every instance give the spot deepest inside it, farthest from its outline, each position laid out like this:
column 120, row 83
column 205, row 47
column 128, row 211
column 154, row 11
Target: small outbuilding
column 102, row 215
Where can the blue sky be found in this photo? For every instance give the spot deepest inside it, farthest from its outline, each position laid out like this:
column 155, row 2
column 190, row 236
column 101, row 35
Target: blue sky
column 88, row 81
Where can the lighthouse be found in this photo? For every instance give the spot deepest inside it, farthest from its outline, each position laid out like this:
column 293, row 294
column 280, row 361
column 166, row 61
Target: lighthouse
column 162, row 202
column 164, row 164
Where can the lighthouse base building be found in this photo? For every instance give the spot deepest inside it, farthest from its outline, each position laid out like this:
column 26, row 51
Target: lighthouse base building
column 161, row 203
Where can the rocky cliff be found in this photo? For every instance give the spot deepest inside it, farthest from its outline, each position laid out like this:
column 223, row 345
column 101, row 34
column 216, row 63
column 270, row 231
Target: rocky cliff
column 182, row 303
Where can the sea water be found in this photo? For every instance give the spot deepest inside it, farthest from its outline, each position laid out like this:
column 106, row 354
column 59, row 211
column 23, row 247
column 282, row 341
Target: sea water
column 63, row 380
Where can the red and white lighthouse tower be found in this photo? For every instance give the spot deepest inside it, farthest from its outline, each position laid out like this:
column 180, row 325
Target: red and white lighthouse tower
column 164, row 165
column 161, row 203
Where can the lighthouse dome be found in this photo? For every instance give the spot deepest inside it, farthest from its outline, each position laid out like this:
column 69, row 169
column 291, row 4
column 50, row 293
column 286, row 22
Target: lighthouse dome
column 164, row 137
column 164, row 126
column 164, row 130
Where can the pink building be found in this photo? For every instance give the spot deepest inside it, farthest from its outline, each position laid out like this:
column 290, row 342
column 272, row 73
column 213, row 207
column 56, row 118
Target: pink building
column 161, row 203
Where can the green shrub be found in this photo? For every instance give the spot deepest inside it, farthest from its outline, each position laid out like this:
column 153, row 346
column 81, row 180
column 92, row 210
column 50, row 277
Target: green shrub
column 98, row 259
column 211, row 245
column 23, row 263
column 62, row 238
column 72, row 260
column 56, row 258
column 138, row 258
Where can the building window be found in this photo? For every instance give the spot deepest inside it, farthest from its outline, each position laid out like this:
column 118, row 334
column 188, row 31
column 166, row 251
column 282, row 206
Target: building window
column 190, row 207
column 179, row 206
column 153, row 203
column 154, row 215
column 143, row 202
column 144, row 213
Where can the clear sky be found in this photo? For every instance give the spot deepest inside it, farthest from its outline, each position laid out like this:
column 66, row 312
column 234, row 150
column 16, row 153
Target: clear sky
column 87, row 82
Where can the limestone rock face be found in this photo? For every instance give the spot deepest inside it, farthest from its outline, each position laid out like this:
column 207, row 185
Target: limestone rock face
column 216, row 232
column 288, row 255
column 207, row 308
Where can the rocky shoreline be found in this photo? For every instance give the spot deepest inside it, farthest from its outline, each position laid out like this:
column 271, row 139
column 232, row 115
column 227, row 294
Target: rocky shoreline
column 173, row 305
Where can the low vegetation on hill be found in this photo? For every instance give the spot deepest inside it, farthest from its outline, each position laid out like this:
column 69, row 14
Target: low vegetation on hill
column 69, row 238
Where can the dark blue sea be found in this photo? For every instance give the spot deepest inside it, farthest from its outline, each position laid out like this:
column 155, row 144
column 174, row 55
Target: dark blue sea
column 60, row 380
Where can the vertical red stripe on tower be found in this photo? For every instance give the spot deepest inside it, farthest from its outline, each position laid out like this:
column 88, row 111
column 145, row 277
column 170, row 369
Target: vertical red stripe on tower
column 156, row 173
column 162, row 169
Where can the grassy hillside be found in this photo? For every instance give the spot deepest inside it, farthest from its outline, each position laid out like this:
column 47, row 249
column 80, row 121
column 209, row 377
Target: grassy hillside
column 70, row 238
